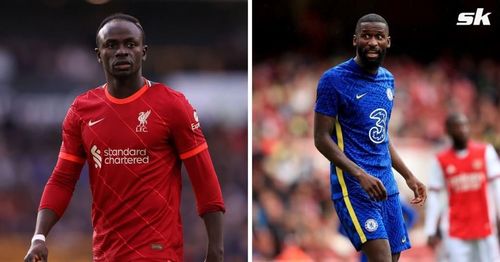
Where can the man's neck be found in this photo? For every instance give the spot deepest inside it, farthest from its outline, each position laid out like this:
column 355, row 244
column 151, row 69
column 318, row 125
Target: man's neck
column 458, row 146
column 372, row 71
column 124, row 87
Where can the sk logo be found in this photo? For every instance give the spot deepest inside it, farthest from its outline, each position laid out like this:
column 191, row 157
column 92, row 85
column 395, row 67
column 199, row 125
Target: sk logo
column 474, row 18
column 143, row 121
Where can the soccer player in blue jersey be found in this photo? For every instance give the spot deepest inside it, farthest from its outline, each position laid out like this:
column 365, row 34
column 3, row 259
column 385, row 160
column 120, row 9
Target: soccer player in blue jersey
column 352, row 113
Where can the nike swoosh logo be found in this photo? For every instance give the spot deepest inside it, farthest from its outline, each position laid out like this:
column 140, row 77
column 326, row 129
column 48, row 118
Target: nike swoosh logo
column 95, row 122
column 359, row 96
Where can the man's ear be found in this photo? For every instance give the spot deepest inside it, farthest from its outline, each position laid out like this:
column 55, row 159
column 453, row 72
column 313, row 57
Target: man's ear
column 388, row 41
column 96, row 50
column 144, row 52
column 354, row 39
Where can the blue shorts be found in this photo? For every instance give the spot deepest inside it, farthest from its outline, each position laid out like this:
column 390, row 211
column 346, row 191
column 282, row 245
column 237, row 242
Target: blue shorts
column 363, row 219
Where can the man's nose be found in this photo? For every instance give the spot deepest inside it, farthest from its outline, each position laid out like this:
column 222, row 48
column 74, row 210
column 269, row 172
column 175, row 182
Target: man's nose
column 122, row 51
column 372, row 41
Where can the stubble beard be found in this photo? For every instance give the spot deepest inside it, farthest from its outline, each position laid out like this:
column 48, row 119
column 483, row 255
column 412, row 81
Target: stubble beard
column 370, row 64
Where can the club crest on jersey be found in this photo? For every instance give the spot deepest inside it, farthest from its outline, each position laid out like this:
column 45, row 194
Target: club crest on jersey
column 371, row 225
column 477, row 164
column 196, row 125
column 451, row 169
column 143, row 121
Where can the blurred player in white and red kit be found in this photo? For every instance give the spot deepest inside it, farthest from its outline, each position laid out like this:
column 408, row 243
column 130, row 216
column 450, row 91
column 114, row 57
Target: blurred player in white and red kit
column 134, row 135
column 464, row 194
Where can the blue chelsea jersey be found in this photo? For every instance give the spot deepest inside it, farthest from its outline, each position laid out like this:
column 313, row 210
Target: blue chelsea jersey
column 362, row 105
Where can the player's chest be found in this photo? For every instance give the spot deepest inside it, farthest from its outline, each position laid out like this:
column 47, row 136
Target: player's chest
column 118, row 126
column 465, row 175
column 364, row 97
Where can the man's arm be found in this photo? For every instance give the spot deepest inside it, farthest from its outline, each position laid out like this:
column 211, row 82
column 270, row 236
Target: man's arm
column 61, row 184
column 435, row 205
column 493, row 174
column 213, row 224
column 323, row 129
column 55, row 199
column 433, row 212
column 38, row 251
column 209, row 201
column 413, row 183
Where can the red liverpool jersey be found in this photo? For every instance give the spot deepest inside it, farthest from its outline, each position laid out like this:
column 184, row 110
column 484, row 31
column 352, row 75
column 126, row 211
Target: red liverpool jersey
column 466, row 184
column 134, row 147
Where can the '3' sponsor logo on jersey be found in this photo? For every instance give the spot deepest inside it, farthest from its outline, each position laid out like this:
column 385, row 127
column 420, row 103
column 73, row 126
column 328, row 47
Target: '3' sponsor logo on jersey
column 377, row 133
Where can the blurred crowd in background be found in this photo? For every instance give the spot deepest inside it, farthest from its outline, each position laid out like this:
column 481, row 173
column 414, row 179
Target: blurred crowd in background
column 47, row 58
column 438, row 68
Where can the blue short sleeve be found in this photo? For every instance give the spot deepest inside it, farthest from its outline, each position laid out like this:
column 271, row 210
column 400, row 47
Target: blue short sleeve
column 326, row 97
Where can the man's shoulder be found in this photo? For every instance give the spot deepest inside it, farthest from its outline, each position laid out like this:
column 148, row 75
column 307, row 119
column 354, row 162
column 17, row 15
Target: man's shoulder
column 338, row 70
column 166, row 93
column 89, row 95
column 444, row 153
column 477, row 145
column 384, row 72
column 335, row 76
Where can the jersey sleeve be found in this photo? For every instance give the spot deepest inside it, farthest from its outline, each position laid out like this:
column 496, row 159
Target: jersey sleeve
column 61, row 184
column 205, row 183
column 436, row 177
column 192, row 148
column 493, row 173
column 186, row 130
column 326, row 97
column 492, row 163
column 434, row 204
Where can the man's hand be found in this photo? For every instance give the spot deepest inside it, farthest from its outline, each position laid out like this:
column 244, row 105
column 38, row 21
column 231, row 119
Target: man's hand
column 213, row 224
column 214, row 254
column 373, row 186
column 433, row 241
column 419, row 191
column 37, row 252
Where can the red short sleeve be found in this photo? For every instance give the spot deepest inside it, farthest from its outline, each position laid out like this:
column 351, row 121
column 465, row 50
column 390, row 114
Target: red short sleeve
column 186, row 129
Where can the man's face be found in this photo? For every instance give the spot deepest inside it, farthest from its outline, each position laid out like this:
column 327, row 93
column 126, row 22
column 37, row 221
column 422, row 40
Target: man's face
column 459, row 129
column 120, row 48
column 371, row 42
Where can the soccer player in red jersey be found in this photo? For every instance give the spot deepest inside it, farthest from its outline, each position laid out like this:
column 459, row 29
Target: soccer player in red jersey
column 134, row 134
column 467, row 175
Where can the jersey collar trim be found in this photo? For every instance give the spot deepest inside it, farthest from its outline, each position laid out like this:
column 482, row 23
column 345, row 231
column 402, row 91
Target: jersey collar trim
column 129, row 99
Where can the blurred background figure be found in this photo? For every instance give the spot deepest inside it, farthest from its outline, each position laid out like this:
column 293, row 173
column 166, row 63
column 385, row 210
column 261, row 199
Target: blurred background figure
column 438, row 67
column 464, row 197
column 47, row 58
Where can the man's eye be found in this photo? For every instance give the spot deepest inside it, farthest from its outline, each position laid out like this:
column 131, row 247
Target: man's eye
column 131, row 45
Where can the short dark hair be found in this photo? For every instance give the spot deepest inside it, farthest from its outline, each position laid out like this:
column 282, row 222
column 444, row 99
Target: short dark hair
column 121, row 16
column 371, row 18
column 453, row 117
